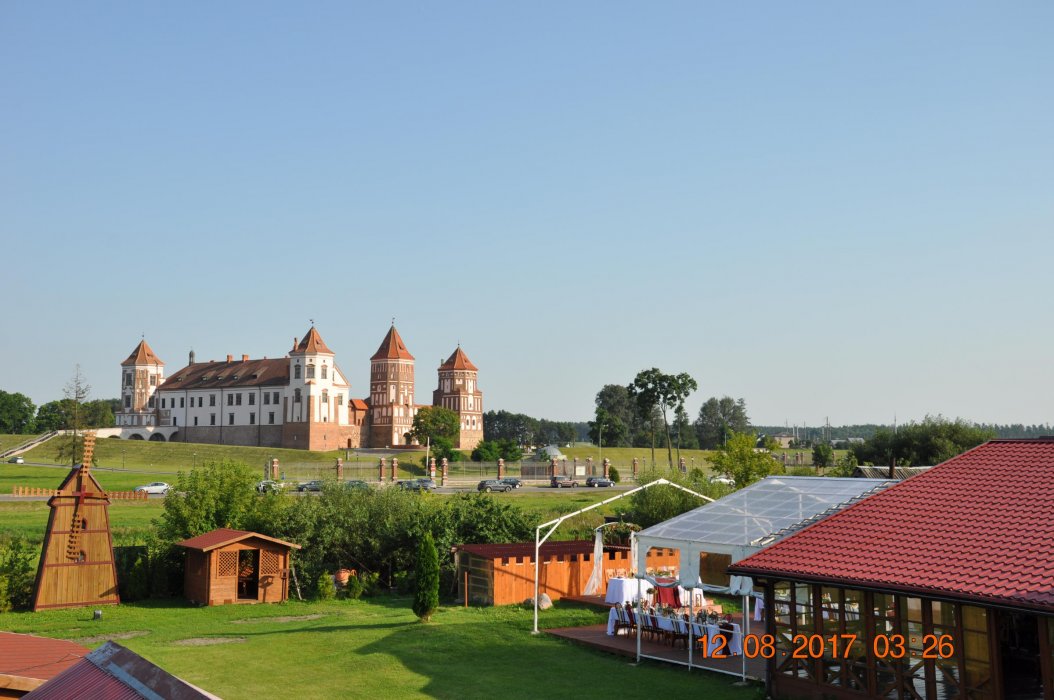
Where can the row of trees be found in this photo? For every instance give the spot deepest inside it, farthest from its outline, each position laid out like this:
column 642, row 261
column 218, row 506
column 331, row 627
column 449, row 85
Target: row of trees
column 931, row 441
column 525, row 430
column 19, row 416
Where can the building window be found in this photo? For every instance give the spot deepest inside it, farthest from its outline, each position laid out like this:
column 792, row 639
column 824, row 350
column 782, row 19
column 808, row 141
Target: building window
column 275, row 398
column 252, row 399
column 151, row 402
column 252, row 419
column 340, row 399
column 324, row 375
column 212, row 399
column 325, row 396
column 153, row 380
column 162, row 403
column 181, row 402
column 270, row 417
column 238, row 399
column 230, row 419
column 310, row 371
column 127, row 401
column 296, row 396
column 212, row 419
column 230, row 399
column 195, row 420
column 296, row 371
column 175, row 421
column 128, row 379
column 266, row 397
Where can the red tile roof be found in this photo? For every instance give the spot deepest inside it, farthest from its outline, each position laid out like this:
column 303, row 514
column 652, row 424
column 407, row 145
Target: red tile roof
column 459, row 360
column 26, row 661
column 979, row 527
column 227, row 375
column 313, row 343
column 224, row 536
column 359, row 405
column 116, row 673
column 392, row 347
column 142, row 355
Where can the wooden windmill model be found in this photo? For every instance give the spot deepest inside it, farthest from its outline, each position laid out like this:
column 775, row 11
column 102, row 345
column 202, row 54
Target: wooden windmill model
column 76, row 564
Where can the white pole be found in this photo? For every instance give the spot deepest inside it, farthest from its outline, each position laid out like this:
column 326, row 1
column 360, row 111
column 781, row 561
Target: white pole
column 537, row 548
column 746, row 625
column 691, row 625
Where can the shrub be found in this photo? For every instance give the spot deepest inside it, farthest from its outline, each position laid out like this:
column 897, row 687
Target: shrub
column 324, row 588
column 426, row 595
column 353, row 589
column 614, row 475
column 16, row 570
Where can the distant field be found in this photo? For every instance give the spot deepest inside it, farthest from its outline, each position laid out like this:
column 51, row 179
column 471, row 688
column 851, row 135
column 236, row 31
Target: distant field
column 622, row 457
column 7, row 440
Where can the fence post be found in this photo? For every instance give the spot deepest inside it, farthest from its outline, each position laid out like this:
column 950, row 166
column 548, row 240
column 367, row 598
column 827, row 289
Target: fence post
column 395, row 466
column 552, row 467
column 607, row 467
column 380, row 470
column 340, row 469
column 501, row 468
column 589, row 467
column 444, row 465
column 274, row 470
column 684, row 466
column 432, row 468
column 634, row 468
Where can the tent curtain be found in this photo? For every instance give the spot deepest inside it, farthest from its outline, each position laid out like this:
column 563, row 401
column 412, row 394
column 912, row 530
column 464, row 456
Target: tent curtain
column 595, row 579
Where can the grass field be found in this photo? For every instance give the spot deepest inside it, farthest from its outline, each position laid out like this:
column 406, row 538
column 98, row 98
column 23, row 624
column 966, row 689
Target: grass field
column 373, row 648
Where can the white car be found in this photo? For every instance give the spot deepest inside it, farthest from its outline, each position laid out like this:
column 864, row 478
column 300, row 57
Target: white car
column 156, row 487
column 16, row 460
column 726, row 480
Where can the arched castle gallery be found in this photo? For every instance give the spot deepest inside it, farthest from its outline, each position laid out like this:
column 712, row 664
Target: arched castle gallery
column 299, row 401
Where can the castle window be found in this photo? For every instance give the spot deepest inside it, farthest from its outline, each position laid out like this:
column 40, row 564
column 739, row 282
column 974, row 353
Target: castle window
column 195, row 420
column 325, row 396
column 181, row 402
column 162, row 403
column 267, row 397
column 274, row 400
column 230, row 399
column 296, row 396
column 151, row 402
column 340, row 399
column 230, row 419
column 296, row 371
column 153, row 380
column 252, row 399
column 310, row 371
column 201, row 399
column 238, row 399
column 212, row 399
column 252, row 419
column 128, row 379
column 324, row 375
column 270, row 417
column 212, row 419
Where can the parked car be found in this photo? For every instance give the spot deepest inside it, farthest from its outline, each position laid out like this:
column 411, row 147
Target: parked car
column 726, row 480
column 356, row 485
column 313, row 485
column 269, row 486
column 16, row 460
column 417, row 485
column 596, row 481
column 488, row 485
column 512, row 481
column 157, row 487
column 563, row 482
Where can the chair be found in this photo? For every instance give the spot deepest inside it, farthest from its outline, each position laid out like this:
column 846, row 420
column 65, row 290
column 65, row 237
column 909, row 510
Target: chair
column 630, row 617
column 622, row 620
column 680, row 632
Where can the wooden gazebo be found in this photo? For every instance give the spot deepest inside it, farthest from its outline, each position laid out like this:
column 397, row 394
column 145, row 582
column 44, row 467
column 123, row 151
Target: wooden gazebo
column 234, row 566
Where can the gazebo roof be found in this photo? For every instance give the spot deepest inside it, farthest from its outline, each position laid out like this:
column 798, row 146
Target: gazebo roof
column 225, row 536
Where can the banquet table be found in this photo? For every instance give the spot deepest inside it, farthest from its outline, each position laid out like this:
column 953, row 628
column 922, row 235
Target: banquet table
column 623, row 590
column 707, row 632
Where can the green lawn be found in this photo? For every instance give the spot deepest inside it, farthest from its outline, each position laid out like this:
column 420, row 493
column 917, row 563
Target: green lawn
column 374, row 648
column 622, row 457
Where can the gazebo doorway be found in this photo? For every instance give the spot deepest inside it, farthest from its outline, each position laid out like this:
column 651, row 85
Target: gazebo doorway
column 248, row 574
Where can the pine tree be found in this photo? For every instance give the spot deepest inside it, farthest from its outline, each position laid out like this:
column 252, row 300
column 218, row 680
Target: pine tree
column 426, row 592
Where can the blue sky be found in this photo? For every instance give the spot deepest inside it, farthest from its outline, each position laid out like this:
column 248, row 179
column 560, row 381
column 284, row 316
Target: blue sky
column 828, row 209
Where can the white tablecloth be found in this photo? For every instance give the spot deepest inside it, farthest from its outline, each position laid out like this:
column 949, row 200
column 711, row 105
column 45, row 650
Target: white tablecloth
column 623, row 590
column 709, row 632
column 612, row 619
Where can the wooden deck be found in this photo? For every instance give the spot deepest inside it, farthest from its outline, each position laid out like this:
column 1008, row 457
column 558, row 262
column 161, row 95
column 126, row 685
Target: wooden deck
column 624, row 644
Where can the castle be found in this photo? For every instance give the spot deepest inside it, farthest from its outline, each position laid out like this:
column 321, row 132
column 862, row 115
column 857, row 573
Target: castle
column 302, row 400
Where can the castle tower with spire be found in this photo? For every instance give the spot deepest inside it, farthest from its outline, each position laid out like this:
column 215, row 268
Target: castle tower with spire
column 391, row 402
column 459, row 391
column 316, row 408
column 141, row 374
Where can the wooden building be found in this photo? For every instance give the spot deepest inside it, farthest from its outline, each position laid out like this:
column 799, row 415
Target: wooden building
column 503, row 574
column 234, row 566
column 941, row 586
column 76, row 563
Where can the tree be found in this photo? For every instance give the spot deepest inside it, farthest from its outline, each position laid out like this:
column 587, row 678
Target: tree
column 17, row 574
column 659, row 503
column 486, row 451
column 718, row 418
column 434, row 422
column 218, row 494
column 426, row 589
column 99, row 414
column 16, row 413
column 822, row 455
column 684, row 431
column 932, row 441
column 607, row 429
column 52, row 415
column 76, row 392
column 653, row 389
column 738, row 459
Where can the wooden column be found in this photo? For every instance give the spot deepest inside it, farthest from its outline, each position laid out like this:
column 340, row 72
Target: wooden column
column 380, row 469
column 395, row 467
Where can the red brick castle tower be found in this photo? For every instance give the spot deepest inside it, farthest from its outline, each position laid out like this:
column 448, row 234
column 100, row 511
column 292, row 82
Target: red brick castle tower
column 391, row 392
column 459, row 391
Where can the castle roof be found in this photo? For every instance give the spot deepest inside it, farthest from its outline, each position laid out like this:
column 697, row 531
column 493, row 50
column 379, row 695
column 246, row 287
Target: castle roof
column 223, row 375
column 142, row 355
column 312, row 343
column 459, row 360
column 392, row 347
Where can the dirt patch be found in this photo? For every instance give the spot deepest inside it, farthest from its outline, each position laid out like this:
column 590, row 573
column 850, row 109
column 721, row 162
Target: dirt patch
column 116, row 635
column 283, row 618
column 208, row 641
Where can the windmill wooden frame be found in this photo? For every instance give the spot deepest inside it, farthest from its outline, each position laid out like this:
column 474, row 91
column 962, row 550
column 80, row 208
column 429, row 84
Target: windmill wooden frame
column 76, row 563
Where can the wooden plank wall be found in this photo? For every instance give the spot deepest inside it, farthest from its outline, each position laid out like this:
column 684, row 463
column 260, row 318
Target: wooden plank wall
column 66, row 582
column 511, row 580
